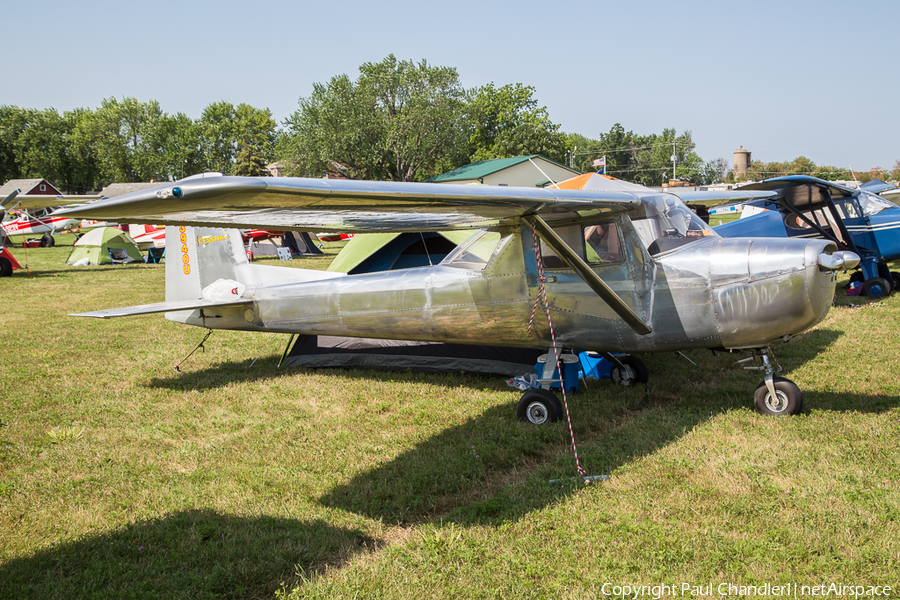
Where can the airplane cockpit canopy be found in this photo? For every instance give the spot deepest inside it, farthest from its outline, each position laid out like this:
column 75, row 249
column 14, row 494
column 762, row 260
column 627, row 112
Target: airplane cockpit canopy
column 664, row 223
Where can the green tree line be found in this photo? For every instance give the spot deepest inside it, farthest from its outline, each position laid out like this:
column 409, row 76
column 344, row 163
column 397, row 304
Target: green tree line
column 128, row 140
column 398, row 120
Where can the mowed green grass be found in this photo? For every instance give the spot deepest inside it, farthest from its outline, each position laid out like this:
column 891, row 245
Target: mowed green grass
column 120, row 477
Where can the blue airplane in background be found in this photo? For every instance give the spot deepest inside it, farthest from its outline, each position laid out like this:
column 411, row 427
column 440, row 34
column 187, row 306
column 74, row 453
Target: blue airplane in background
column 857, row 220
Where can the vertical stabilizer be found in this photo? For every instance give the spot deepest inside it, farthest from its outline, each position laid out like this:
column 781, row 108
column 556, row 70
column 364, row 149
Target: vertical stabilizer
column 197, row 257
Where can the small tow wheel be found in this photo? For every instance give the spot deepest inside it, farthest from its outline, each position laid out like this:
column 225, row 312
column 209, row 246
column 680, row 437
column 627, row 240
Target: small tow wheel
column 876, row 287
column 635, row 370
column 788, row 398
column 47, row 241
column 5, row 267
column 539, row 406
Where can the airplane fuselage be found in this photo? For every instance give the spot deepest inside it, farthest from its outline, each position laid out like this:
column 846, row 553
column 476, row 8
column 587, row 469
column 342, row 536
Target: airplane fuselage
column 713, row 293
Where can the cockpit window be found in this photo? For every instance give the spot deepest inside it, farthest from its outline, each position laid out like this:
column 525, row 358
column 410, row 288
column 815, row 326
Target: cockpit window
column 475, row 252
column 665, row 223
column 872, row 204
column 602, row 244
column 597, row 244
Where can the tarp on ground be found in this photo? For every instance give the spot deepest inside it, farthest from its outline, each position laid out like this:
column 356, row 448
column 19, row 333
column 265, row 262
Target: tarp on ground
column 425, row 357
column 92, row 247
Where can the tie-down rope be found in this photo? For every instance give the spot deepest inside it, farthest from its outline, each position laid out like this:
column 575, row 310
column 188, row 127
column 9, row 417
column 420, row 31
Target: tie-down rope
column 542, row 297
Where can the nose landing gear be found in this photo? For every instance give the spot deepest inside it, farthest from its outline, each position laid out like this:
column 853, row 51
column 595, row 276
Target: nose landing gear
column 775, row 396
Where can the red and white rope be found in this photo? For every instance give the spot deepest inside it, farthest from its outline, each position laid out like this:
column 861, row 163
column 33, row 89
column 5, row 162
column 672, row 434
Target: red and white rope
column 542, row 297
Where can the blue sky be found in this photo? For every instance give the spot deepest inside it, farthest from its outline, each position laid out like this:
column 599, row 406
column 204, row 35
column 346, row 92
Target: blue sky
column 782, row 79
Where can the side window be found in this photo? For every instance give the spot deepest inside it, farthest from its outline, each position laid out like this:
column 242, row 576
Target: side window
column 596, row 244
column 475, row 252
column 850, row 209
column 602, row 244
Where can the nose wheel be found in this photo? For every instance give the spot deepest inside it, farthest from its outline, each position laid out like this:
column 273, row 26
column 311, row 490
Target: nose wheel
column 775, row 396
column 786, row 400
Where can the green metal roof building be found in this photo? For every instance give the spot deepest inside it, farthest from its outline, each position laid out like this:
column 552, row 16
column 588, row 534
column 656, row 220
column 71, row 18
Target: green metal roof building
column 518, row 171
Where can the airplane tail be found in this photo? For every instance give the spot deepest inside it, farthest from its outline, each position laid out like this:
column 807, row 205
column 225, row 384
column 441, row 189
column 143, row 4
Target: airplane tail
column 211, row 263
column 198, row 257
column 207, row 268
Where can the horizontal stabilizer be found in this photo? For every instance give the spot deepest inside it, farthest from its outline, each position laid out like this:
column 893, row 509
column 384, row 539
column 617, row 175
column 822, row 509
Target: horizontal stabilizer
column 159, row 307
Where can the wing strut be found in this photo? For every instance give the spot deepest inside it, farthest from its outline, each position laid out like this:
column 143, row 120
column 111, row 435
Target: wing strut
column 587, row 274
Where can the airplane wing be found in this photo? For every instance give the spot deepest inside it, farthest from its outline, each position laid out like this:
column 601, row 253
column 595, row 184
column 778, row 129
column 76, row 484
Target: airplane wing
column 715, row 198
column 335, row 205
column 35, row 201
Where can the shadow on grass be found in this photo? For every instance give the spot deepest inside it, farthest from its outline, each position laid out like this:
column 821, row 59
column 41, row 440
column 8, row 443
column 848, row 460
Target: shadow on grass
column 266, row 368
column 189, row 554
column 494, row 469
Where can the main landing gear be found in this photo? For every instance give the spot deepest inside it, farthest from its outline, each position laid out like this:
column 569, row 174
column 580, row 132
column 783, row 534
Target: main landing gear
column 539, row 406
column 775, row 395
column 877, row 286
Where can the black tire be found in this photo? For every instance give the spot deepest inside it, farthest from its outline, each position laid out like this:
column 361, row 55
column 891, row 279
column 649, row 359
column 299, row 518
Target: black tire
column 5, row 267
column 47, row 241
column 639, row 371
column 789, row 399
column 538, row 407
column 896, row 277
column 876, row 287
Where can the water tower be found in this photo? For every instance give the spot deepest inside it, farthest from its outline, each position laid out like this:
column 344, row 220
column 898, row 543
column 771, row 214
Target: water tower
column 741, row 161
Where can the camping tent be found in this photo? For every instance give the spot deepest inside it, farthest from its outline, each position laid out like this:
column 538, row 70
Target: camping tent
column 92, row 247
column 371, row 252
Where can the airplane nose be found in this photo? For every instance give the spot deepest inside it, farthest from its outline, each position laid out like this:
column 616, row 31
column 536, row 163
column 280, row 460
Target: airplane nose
column 823, row 262
column 772, row 287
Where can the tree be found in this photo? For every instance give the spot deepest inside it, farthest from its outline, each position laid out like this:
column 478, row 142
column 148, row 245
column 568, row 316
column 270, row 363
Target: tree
column 507, row 121
column 13, row 123
column 225, row 129
column 130, row 138
column 400, row 121
column 45, row 144
column 714, row 171
column 184, row 148
column 250, row 162
column 84, row 164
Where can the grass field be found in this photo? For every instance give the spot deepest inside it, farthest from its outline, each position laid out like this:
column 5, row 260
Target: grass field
column 121, row 478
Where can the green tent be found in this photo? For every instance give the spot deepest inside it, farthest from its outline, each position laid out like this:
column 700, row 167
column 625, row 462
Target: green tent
column 92, row 247
column 370, row 252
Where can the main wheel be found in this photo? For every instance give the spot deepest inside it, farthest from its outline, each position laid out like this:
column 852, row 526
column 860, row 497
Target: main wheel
column 5, row 267
column 635, row 370
column 47, row 241
column 876, row 287
column 788, row 398
column 539, row 406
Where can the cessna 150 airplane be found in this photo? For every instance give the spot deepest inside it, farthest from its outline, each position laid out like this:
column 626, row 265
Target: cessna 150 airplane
column 623, row 271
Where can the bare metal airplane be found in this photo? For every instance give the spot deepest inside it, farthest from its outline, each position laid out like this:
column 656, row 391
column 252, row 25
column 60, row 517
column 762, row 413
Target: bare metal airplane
column 630, row 271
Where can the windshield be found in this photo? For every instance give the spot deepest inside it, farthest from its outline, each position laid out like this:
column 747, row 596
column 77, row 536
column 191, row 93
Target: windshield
column 872, row 204
column 665, row 223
